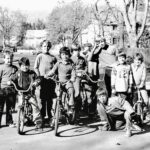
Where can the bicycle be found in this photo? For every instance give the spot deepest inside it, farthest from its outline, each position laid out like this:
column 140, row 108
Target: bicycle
column 100, row 83
column 25, row 110
column 138, row 106
column 61, row 107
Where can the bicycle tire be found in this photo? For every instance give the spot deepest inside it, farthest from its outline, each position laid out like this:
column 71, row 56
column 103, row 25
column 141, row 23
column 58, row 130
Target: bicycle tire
column 20, row 121
column 140, row 112
column 56, row 118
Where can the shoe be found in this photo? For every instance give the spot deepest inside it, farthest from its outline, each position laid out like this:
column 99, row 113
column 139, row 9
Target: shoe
column 128, row 133
column 106, row 127
column 71, row 110
column 38, row 125
column 52, row 123
column 12, row 125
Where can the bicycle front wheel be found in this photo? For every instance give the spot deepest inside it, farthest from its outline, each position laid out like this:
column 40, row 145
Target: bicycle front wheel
column 140, row 112
column 57, row 117
column 20, row 121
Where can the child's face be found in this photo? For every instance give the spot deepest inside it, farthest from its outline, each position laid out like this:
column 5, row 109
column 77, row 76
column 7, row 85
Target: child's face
column 8, row 59
column 45, row 47
column 121, row 59
column 24, row 68
column 102, row 98
column 76, row 52
column 64, row 56
column 137, row 62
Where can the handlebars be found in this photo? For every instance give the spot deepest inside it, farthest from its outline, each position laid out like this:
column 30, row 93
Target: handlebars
column 18, row 90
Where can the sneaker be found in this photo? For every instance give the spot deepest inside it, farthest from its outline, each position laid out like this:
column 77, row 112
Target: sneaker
column 52, row 123
column 106, row 127
column 71, row 110
column 128, row 133
column 12, row 125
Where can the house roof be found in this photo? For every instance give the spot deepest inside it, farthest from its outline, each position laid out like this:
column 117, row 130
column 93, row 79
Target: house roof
column 36, row 33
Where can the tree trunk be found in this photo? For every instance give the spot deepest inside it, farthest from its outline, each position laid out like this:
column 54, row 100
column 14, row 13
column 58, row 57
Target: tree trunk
column 133, row 41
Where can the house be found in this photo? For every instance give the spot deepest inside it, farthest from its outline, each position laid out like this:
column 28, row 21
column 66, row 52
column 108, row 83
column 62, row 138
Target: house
column 33, row 38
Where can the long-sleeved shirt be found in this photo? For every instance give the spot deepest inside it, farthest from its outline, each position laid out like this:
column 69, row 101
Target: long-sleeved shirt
column 44, row 63
column 121, row 77
column 24, row 79
column 65, row 70
column 6, row 72
column 139, row 74
column 79, row 62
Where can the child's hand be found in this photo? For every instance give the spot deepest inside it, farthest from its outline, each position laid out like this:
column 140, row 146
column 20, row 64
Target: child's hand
column 9, row 82
column 129, row 90
column 46, row 76
column 113, row 91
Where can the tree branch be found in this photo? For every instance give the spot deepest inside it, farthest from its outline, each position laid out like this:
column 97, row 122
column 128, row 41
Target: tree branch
column 144, row 20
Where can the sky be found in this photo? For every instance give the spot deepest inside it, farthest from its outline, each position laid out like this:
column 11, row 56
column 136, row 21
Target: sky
column 36, row 8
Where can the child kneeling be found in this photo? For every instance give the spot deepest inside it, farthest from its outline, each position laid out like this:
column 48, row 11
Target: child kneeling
column 114, row 108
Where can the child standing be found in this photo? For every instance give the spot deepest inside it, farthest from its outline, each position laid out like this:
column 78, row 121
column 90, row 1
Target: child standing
column 45, row 92
column 23, row 78
column 139, row 76
column 65, row 70
column 121, row 77
column 8, row 94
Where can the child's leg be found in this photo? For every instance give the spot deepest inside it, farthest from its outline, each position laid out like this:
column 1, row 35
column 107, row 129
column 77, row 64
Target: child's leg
column 36, row 110
column 9, row 107
column 70, row 91
column 128, row 108
column 128, row 123
column 2, row 101
column 145, row 96
column 77, row 87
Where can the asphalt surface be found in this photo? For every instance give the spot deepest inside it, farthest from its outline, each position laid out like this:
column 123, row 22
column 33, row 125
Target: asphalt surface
column 86, row 136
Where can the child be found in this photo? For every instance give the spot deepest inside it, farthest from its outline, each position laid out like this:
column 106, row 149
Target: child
column 113, row 109
column 80, row 65
column 121, row 76
column 8, row 94
column 23, row 78
column 65, row 70
column 45, row 92
column 139, row 76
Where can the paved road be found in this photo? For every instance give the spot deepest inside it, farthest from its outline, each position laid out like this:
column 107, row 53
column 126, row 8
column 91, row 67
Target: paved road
column 87, row 137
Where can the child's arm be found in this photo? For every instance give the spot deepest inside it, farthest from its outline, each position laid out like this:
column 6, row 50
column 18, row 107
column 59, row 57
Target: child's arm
column 36, row 65
column 143, row 78
column 113, row 80
column 73, row 76
column 53, row 71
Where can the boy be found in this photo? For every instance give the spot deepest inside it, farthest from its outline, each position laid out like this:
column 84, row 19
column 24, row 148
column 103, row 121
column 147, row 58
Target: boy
column 65, row 70
column 113, row 109
column 139, row 77
column 23, row 78
column 46, row 91
column 80, row 65
column 121, row 76
column 8, row 94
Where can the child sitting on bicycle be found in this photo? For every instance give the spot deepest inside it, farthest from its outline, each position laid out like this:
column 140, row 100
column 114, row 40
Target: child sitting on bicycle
column 64, row 68
column 139, row 77
column 121, row 76
column 113, row 109
column 23, row 78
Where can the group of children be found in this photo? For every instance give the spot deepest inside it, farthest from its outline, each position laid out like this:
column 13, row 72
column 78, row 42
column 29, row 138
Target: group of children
column 124, row 79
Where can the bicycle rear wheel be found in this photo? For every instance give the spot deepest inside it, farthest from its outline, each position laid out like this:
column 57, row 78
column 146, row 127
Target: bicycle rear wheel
column 140, row 112
column 57, row 118
column 20, row 121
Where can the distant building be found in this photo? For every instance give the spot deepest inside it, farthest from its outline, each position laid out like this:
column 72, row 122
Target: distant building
column 33, row 38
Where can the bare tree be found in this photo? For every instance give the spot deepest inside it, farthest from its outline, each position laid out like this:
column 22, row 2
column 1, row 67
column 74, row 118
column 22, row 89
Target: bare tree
column 10, row 25
column 130, row 15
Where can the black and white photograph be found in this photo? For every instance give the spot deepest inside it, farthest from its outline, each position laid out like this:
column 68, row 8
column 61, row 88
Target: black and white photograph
column 74, row 74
